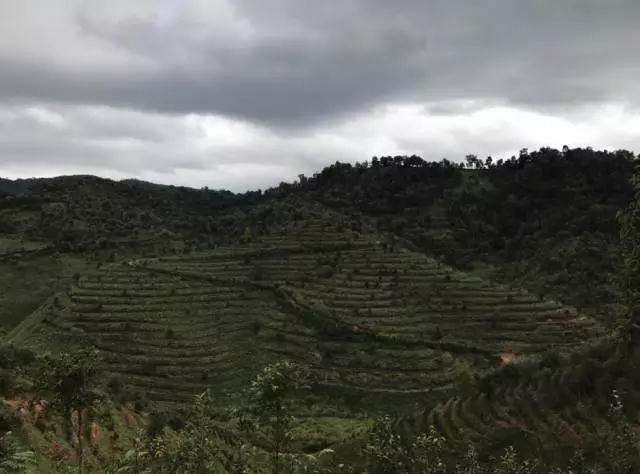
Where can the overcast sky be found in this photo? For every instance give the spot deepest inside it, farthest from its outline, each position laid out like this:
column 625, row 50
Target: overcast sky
column 243, row 94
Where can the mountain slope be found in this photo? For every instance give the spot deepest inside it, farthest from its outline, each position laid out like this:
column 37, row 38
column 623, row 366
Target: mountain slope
column 546, row 220
column 369, row 320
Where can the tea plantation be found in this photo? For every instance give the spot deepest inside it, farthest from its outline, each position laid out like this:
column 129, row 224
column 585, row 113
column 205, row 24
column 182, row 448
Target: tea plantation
column 368, row 319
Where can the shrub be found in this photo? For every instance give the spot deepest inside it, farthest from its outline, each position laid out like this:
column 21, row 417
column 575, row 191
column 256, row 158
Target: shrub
column 551, row 359
column 256, row 327
column 325, row 271
column 257, row 273
column 13, row 460
column 139, row 405
column 8, row 421
column 115, row 385
column 13, row 357
column 159, row 419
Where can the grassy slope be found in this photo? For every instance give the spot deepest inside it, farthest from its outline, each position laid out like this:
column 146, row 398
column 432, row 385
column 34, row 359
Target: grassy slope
column 27, row 282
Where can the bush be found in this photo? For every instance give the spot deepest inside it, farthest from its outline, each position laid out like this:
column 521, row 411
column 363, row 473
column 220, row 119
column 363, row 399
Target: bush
column 157, row 421
column 256, row 327
column 551, row 359
column 8, row 421
column 13, row 357
column 257, row 273
column 325, row 271
column 7, row 382
column 115, row 385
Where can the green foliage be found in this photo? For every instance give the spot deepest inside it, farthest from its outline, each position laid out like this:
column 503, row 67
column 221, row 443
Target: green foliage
column 619, row 446
column 544, row 216
column 14, row 460
column 257, row 273
column 8, row 420
column 70, row 380
column 12, row 357
column 158, row 420
column 387, row 451
column 361, row 316
column 269, row 409
column 206, row 442
column 13, row 363
column 18, row 462
column 629, row 220
column 202, row 445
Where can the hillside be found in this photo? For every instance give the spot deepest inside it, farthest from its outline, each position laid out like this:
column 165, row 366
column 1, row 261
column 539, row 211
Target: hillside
column 546, row 220
column 378, row 319
column 51, row 230
column 547, row 407
column 478, row 300
column 87, row 213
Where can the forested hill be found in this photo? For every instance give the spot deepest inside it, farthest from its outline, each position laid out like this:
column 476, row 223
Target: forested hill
column 546, row 219
column 392, row 287
column 87, row 212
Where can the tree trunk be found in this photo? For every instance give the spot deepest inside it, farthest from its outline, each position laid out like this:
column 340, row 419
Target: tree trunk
column 80, row 450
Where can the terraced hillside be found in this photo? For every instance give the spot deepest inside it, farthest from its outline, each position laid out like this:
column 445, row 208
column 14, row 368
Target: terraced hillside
column 515, row 414
column 547, row 407
column 394, row 293
column 546, row 219
column 165, row 336
column 366, row 318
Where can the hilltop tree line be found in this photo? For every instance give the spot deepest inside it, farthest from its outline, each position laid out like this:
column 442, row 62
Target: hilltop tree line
column 551, row 211
column 546, row 218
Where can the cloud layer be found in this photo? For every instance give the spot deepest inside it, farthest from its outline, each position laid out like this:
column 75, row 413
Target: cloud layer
column 246, row 93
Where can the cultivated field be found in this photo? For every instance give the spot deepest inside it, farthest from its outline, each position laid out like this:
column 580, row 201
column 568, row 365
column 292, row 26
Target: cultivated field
column 367, row 319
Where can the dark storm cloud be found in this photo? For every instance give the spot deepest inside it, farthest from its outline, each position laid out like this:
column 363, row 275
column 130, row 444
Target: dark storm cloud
column 242, row 94
column 291, row 62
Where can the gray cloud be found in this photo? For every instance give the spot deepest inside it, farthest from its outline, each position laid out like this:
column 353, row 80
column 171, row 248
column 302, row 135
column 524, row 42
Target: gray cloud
column 222, row 152
column 246, row 93
column 291, row 62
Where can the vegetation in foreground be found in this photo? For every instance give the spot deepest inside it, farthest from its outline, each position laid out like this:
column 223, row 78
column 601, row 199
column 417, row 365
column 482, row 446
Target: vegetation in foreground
column 257, row 436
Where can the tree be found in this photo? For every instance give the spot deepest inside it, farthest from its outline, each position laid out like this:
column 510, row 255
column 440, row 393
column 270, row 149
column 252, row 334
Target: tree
column 205, row 443
column 270, row 406
column 472, row 161
column 71, row 380
column 200, row 446
column 629, row 220
column 388, row 451
column 414, row 161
